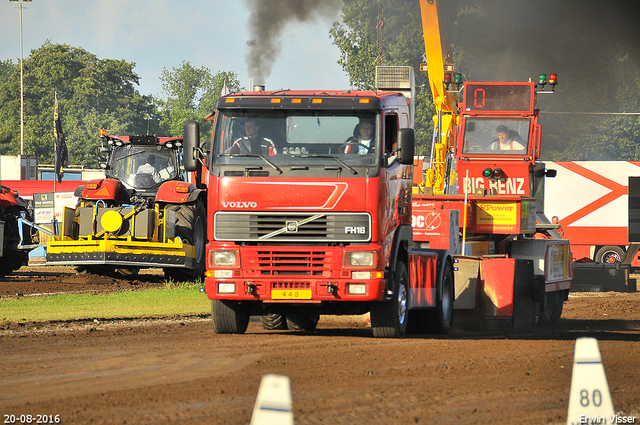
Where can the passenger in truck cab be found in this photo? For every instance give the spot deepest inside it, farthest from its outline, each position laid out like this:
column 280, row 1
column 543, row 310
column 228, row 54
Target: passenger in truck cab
column 362, row 140
column 252, row 142
column 506, row 140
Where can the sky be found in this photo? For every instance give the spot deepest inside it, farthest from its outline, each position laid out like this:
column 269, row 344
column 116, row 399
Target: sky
column 161, row 34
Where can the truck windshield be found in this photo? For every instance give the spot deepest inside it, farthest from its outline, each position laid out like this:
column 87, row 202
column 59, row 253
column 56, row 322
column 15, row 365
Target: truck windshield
column 496, row 136
column 143, row 166
column 351, row 138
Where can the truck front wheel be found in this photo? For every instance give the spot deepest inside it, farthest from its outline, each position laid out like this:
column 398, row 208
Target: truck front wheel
column 229, row 317
column 389, row 318
column 439, row 319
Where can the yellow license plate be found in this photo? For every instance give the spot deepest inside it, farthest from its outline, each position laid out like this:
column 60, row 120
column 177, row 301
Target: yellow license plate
column 291, row 294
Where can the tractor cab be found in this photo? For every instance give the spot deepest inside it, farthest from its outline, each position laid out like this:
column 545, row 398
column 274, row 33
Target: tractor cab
column 142, row 163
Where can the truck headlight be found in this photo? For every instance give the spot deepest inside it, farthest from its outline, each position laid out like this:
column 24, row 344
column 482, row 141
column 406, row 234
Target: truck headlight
column 360, row 259
column 223, row 259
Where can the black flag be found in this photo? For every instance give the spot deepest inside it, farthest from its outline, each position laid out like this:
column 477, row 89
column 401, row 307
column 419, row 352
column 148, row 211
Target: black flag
column 61, row 153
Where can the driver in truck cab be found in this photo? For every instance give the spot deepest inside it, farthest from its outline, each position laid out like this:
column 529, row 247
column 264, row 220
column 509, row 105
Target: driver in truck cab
column 506, row 140
column 252, row 143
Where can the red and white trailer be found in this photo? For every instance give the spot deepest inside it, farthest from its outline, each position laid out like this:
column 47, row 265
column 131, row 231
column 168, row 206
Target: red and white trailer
column 591, row 200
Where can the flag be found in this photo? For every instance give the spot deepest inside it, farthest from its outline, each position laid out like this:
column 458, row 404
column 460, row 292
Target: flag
column 60, row 146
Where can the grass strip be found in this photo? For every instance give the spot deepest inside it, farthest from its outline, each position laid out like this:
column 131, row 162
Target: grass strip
column 184, row 299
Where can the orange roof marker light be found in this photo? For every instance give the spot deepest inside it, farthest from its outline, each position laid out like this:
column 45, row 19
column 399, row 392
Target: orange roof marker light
column 276, row 100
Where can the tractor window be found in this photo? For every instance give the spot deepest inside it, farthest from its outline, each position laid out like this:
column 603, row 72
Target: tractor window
column 143, row 166
column 496, row 136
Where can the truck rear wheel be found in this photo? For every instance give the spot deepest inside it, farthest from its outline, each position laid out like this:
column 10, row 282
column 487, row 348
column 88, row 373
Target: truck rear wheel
column 229, row 317
column 389, row 318
column 609, row 255
column 274, row 322
column 191, row 227
column 440, row 319
column 302, row 322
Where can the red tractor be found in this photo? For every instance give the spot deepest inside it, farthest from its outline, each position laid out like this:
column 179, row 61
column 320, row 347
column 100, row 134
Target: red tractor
column 12, row 231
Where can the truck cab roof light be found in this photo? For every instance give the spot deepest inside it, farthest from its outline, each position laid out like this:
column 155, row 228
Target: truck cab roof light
column 487, row 172
column 103, row 132
column 542, row 79
column 553, row 79
column 497, row 173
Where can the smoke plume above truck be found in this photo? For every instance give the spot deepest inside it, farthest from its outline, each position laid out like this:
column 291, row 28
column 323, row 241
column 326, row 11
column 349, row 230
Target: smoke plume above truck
column 267, row 23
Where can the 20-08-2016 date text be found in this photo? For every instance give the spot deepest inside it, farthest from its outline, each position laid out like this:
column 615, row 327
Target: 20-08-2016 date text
column 31, row 419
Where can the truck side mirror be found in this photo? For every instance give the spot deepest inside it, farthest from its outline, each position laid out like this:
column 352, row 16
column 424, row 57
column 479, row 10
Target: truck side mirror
column 406, row 143
column 191, row 143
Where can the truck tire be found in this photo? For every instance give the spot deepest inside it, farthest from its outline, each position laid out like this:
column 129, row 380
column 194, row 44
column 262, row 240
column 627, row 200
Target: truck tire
column 389, row 318
column 440, row 319
column 274, row 322
column 229, row 317
column 610, row 254
column 524, row 297
column 553, row 303
column 191, row 227
column 302, row 322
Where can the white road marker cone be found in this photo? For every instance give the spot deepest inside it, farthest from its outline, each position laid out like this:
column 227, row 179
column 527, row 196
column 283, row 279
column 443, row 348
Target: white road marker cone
column 589, row 398
column 273, row 404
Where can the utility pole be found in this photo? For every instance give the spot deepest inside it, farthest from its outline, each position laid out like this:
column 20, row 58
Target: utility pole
column 21, row 2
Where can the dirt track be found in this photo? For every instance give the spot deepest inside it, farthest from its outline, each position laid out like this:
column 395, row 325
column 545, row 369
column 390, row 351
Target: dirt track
column 176, row 370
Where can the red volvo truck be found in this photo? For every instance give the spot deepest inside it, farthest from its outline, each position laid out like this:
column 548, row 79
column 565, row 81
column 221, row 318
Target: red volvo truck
column 310, row 214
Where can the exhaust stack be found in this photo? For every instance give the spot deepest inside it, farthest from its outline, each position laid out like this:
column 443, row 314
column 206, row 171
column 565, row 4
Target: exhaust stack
column 258, row 87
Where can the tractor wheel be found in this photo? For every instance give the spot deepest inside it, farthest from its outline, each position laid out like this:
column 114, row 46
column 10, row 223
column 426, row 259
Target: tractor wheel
column 389, row 318
column 440, row 319
column 229, row 317
column 191, row 227
column 302, row 322
column 274, row 322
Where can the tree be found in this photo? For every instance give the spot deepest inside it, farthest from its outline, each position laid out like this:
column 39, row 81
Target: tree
column 191, row 94
column 92, row 93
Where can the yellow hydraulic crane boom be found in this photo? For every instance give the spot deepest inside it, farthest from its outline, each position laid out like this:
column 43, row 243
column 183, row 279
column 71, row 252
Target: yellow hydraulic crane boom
column 441, row 76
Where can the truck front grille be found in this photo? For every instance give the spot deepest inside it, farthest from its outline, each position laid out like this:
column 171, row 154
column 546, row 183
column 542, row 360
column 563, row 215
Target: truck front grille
column 292, row 227
column 257, row 262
